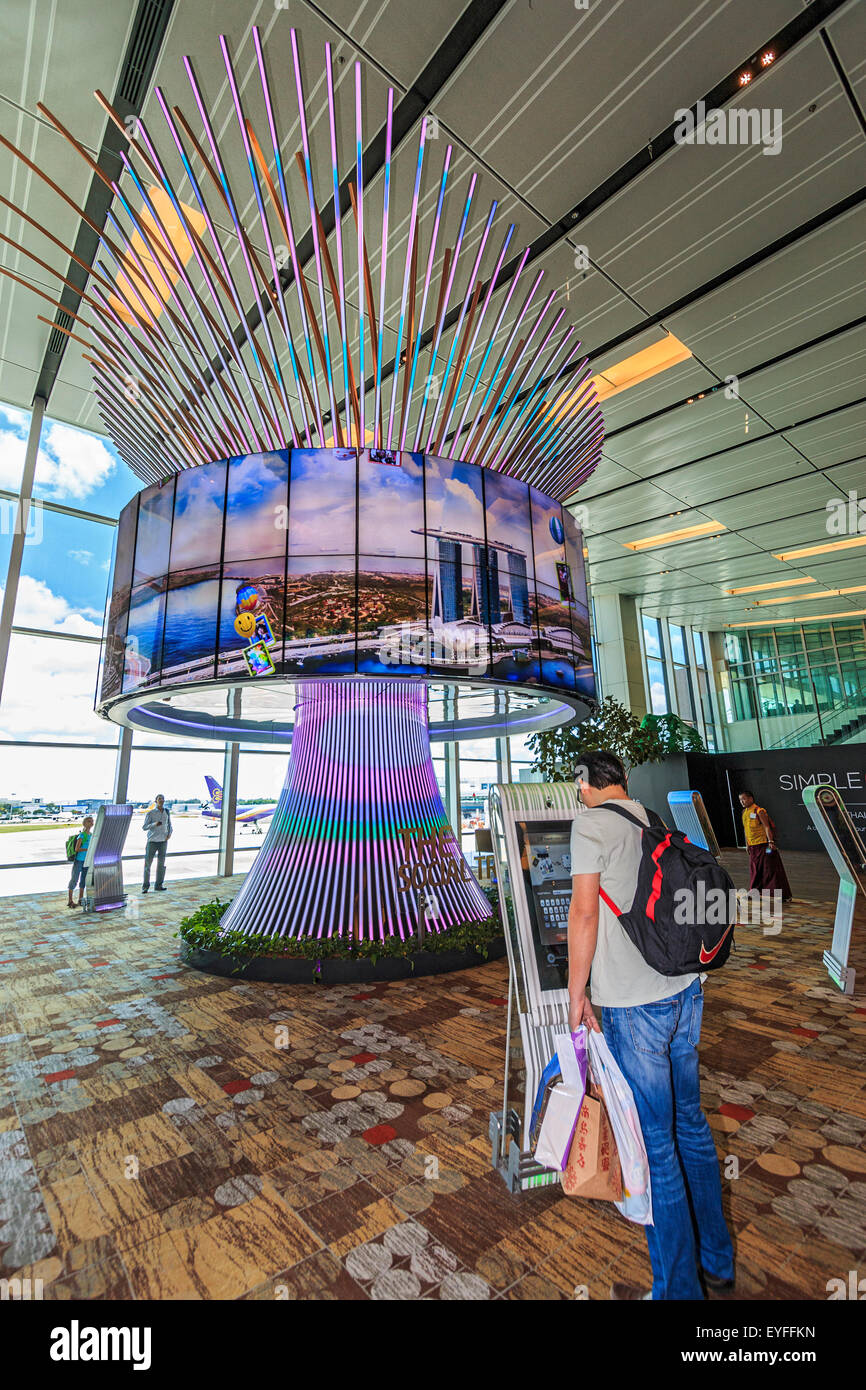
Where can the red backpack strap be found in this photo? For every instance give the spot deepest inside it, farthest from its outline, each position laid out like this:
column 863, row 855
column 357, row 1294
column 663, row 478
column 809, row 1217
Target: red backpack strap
column 609, row 901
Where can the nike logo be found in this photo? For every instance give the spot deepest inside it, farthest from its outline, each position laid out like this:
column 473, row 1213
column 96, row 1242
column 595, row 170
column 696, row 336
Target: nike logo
column 706, row 956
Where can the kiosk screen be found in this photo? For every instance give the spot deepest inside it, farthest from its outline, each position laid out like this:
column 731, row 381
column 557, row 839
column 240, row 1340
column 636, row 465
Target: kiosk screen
column 545, row 859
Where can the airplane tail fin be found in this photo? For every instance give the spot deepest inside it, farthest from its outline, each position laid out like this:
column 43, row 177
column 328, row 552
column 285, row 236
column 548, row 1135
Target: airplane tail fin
column 216, row 791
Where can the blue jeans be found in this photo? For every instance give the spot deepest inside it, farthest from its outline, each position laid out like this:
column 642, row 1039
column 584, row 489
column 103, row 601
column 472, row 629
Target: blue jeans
column 154, row 849
column 656, row 1048
column 78, row 876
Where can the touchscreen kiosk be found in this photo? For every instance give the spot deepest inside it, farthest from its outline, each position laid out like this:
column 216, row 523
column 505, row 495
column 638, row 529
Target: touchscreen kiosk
column 103, row 882
column 531, row 831
column 842, row 842
column 690, row 816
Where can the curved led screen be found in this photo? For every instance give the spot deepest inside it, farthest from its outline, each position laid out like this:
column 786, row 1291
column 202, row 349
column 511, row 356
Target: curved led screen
column 318, row 562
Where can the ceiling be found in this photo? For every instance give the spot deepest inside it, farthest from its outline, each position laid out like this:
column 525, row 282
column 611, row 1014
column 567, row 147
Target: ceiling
column 754, row 261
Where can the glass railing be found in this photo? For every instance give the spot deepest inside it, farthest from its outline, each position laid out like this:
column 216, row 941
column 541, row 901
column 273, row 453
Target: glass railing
column 843, row 723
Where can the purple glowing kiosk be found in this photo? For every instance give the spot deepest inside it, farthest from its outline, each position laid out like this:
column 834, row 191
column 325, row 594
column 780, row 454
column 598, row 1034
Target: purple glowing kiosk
column 340, row 549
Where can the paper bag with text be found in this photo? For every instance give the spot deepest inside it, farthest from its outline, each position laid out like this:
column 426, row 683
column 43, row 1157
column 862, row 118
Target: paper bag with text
column 593, row 1168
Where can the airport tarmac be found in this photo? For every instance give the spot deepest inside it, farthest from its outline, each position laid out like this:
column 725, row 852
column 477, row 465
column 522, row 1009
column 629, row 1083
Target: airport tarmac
column 194, row 842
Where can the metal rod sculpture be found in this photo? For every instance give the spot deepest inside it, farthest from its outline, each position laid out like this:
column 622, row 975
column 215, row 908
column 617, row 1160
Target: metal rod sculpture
column 192, row 359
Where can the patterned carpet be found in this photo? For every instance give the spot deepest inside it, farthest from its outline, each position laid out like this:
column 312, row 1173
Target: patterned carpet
column 169, row 1135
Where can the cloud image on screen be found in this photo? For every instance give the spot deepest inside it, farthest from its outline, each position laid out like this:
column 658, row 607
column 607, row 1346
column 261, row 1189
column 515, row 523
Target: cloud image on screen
column 322, row 502
column 143, row 641
column 256, row 505
column 255, row 587
column 456, row 560
column 114, row 644
column 320, row 614
column 547, row 538
column 190, row 626
column 392, row 614
column 511, row 580
column 555, row 643
column 455, row 508
column 580, row 615
column 390, row 504
column 197, row 528
column 154, row 532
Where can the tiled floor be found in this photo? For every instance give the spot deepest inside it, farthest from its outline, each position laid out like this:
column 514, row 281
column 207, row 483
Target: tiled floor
column 166, row 1134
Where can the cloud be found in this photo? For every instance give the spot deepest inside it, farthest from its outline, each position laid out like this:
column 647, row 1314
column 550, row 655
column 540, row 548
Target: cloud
column 39, row 606
column 48, row 692
column 71, row 463
column 83, row 557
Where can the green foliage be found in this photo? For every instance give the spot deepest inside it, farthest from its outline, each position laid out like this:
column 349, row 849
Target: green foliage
column 558, row 752
column 201, row 932
column 673, row 734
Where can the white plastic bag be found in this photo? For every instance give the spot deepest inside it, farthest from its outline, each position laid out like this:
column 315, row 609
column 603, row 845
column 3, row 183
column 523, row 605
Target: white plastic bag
column 636, row 1204
column 563, row 1103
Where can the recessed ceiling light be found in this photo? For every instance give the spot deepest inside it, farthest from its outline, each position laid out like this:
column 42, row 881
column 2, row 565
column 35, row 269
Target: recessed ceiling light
column 154, row 290
column 812, row 618
column 658, row 357
column 767, row 58
column 848, row 544
column 776, row 584
column 745, row 78
column 686, row 533
column 819, row 593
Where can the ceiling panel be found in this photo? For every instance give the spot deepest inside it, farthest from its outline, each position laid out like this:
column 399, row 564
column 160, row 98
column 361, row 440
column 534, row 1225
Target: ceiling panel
column 776, row 504
column 579, row 91
column 811, row 288
column 755, row 464
column 819, row 380
column 836, row 439
column 705, row 208
column 697, row 431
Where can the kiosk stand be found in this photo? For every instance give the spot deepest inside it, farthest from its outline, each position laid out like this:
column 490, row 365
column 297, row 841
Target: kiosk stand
column 531, row 829
column 842, row 841
column 103, row 883
column 690, row 816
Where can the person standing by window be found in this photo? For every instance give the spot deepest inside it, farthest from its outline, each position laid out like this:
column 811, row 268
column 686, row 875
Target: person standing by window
column 766, row 870
column 78, row 861
column 157, row 828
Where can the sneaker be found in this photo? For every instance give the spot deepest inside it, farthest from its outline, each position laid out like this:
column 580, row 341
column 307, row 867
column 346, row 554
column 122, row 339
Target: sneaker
column 716, row 1284
column 144, row 887
column 622, row 1293
column 159, row 889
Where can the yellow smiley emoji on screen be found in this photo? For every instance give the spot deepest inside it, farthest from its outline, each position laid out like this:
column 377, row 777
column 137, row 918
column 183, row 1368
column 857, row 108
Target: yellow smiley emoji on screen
column 245, row 624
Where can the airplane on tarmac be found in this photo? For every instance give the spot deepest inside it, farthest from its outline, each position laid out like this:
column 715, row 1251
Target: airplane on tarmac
column 245, row 815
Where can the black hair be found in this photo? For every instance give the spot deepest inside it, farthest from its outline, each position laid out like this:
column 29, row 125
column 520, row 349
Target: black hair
column 744, row 791
column 603, row 769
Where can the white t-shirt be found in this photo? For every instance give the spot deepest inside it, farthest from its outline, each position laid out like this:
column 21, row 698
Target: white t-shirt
column 605, row 843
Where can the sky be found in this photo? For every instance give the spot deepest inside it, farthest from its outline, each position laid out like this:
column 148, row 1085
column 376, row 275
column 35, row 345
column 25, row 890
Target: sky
column 48, row 692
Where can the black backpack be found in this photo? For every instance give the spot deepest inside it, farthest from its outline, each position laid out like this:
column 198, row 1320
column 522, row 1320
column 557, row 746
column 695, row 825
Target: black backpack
column 684, row 910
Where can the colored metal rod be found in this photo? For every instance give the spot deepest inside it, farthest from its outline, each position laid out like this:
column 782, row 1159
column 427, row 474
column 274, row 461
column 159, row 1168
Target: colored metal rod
column 407, row 271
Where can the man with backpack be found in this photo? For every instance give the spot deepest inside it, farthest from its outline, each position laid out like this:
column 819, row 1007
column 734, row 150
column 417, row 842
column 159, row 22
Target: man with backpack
column 630, row 886
column 76, row 851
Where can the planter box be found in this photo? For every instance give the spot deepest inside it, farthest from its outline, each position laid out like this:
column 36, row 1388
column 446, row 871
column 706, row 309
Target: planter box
column 297, row 970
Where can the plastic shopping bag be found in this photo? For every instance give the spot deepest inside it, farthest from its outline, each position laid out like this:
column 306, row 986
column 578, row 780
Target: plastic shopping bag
column 636, row 1204
column 558, row 1101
